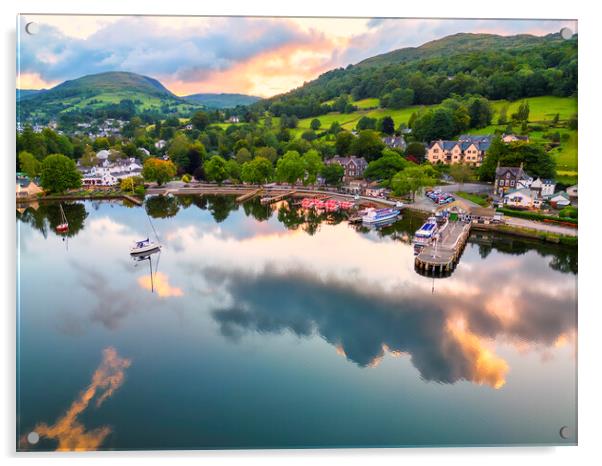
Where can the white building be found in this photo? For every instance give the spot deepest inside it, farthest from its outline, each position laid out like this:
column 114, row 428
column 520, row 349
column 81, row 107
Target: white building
column 544, row 187
column 160, row 144
column 522, row 198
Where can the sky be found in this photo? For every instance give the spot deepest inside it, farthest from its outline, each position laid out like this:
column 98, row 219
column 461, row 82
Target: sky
column 250, row 55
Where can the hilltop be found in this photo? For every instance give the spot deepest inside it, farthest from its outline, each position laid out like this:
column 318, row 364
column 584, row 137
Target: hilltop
column 493, row 66
column 102, row 92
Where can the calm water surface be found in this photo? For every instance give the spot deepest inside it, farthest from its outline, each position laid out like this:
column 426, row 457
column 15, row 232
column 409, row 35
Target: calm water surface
column 264, row 328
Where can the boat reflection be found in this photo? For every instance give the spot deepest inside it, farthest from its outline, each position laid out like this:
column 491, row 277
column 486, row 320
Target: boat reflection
column 139, row 258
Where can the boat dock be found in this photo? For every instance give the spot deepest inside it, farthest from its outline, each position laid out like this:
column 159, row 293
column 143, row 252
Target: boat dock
column 280, row 197
column 133, row 200
column 249, row 195
column 442, row 257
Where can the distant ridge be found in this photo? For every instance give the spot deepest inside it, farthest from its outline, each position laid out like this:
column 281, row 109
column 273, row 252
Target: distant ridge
column 223, row 100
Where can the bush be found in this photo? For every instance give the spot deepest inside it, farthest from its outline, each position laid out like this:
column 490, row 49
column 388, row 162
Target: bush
column 186, row 178
column 535, row 216
column 139, row 190
column 568, row 212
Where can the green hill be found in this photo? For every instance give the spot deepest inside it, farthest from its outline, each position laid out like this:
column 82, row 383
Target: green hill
column 221, row 100
column 495, row 67
column 103, row 92
column 461, row 43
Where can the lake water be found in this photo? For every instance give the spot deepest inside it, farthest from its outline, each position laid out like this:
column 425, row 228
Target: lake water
column 263, row 328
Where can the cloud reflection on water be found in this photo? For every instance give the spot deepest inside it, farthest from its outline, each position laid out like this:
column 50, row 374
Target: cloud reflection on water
column 68, row 431
column 448, row 336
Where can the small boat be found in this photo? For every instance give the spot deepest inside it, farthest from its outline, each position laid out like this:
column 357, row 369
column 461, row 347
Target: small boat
column 379, row 215
column 425, row 234
column 144, row 246
column 62, row 227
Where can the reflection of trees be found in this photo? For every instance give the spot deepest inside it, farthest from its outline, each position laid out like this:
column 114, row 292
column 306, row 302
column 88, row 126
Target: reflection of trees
column 291, row 218
column 48, row 216
column 185, row 201
column 564, row 259
column 161, row 206
column 221, row 206
column 255, row 209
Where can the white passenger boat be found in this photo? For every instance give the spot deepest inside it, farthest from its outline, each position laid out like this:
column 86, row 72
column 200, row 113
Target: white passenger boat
column 144, row 246
column 379, row 215
column 425, row 234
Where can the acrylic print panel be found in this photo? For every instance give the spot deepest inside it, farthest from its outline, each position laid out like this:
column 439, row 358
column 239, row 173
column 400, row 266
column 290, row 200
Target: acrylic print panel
column 295, row 232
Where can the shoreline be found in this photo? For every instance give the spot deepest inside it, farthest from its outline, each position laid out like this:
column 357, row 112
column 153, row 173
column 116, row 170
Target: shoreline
column 207, row 189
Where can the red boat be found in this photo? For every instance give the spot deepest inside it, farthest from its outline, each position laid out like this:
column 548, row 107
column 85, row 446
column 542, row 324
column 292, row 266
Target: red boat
column 62, row 227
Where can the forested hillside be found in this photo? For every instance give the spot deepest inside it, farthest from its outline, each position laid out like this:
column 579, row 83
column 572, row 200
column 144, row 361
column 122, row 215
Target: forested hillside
column 495, row 67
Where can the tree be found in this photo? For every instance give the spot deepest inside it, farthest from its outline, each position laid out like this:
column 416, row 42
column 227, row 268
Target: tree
column 258, row 171
column 200, row 120
column 387, row 125
column 410, row 180
column 399, row 98
column 480, row 112
column 315, row 124
column 335, row 128
column 313, row 166
column 386, row 167
column 416, row 151
column 29, row 164
column 368, row 145
column 243, row 155
column 59, row 173
column 503, row 117
column 290, row 168
column 333, row 174
column 309, row 135
column 216, row 169
column 267, row 153
column 536, row 161
column 460, row 172
column 343, row 142
column 158, row 170
column 522, row 115
column 366, row 123
column 234, row 170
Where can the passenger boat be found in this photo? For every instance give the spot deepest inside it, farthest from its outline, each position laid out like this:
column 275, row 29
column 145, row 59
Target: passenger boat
column 372, row 216
column 144, row 246
column 62, row 227
column 425, row 234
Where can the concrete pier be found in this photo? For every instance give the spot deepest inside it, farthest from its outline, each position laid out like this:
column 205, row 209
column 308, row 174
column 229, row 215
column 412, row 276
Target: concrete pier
column 441, row 258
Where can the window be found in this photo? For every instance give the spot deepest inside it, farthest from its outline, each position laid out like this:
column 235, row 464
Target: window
column 511, row 182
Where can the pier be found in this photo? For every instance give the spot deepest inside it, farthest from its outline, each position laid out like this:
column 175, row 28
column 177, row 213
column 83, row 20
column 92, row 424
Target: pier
column 280, row 197
column 442, row 257
column 249, row 195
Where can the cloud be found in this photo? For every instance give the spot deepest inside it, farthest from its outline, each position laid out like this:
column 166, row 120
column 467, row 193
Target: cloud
column 448, row 338
column 159, row 283
column 68, row 430
column 262, row 56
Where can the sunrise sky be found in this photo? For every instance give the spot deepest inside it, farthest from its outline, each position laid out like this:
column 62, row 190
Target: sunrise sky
column 257, row 56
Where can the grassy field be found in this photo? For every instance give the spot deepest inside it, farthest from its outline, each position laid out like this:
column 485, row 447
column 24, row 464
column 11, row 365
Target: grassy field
column 480, row 200
column 542, row 109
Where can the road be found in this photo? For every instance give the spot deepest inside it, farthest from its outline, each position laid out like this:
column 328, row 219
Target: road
column 540, row 226
column 477, row 188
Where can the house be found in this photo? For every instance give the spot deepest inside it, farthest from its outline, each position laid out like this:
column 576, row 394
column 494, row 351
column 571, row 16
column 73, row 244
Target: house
column 467, row 149
column 26, row 190
column 510, row 178
column 395, row 142
column 110, row 174
column 513, row 138
column 160, row 144
column 144, row 151
column 354, row 166
column 560, row 199
column 544, row 187
column 374, row 189
column 355, row 186
column 103, row 154
column 233, row 119
column 522, row 198
column 463, row 210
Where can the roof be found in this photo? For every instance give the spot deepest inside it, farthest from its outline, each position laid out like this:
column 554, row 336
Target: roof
column 562, row 194
column 516, row 172
column 522, row 191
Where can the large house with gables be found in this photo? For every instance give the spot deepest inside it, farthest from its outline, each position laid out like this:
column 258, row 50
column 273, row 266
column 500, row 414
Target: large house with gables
column 354, row 166
column 510, row 179
column 468, row 149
